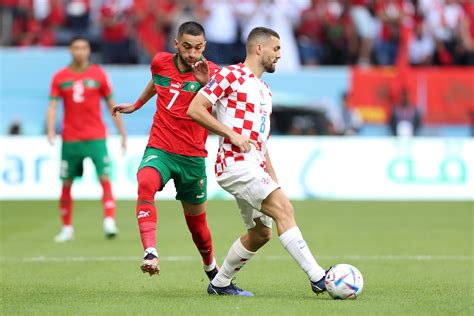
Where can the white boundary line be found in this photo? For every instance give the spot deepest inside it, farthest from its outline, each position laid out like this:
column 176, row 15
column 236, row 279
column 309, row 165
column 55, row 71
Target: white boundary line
column 257, row 258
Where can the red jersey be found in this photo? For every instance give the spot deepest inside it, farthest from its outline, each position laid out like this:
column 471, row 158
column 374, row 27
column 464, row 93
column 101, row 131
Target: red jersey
column 81, row 94
column 172, row 130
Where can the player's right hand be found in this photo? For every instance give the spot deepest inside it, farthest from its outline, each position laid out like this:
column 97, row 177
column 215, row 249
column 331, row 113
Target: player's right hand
column 244, row 143
column 123, row 108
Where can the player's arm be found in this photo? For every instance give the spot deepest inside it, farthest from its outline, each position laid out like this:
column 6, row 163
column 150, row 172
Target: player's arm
column 270, row 169
column 198, row 112
column 51, row 120
column 118, row 123
column 127, row 108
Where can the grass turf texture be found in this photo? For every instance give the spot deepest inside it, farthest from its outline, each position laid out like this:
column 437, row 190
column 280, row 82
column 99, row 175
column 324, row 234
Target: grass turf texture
column 384, row 240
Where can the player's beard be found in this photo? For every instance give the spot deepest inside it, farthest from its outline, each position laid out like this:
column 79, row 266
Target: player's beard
column 268, row 64
column 185, row 62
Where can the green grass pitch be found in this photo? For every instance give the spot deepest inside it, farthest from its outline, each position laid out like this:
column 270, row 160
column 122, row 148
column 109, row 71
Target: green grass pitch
column 416, row 259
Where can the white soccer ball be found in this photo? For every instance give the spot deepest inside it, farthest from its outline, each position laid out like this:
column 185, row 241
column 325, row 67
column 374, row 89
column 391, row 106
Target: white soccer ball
column 344, row 281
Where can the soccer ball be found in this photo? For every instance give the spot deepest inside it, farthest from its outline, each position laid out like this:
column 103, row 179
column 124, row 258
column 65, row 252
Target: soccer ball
column 344, row 281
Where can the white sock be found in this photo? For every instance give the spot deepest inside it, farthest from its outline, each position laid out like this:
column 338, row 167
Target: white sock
column 152, row 251
column 211, row 266
column 294, row 243
column 236, row 258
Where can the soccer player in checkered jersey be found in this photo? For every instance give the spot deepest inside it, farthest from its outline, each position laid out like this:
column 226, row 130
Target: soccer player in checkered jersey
column 176, row 147
column 81, row 86
column 243, row 166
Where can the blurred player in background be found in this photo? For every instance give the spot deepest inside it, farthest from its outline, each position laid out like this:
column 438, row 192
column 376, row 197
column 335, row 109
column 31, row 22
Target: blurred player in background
column 176, row 147
column 243, row 167
column 81, row 85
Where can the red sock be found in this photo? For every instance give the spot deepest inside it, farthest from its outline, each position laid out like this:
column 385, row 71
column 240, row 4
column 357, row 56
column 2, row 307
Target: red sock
column 149, row 182
column 201, row 236
column 65, row 205
column 108, row 201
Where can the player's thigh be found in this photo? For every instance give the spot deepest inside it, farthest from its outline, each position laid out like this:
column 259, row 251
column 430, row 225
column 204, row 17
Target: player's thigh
column 252, row 216
column 159, row 160
column 97, row 151
column 247, row 181
column 277, row 205
column 190, row 180
column 72, row 156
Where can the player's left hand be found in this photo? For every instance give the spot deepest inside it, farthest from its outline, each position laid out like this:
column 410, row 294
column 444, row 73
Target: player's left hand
column 201, row 71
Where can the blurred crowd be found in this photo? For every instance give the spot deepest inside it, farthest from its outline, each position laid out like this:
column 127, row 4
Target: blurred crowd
column 313, row 32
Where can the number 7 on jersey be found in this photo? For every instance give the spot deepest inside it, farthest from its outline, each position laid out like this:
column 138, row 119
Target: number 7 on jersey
column 175, row 95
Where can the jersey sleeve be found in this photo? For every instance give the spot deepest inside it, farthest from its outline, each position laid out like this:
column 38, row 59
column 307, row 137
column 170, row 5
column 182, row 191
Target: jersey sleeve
column 155, row 63
column 55, row 91
column 220, row 85
column 105, row 85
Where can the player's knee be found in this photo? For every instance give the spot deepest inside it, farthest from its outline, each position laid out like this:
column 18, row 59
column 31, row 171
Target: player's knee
column 265, row 236
column 260, row 236
column 285, row 213
column 145, row 187
column 148, row 181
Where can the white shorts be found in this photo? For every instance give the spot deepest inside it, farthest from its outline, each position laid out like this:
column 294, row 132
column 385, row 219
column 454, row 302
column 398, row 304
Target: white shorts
column 250, row 185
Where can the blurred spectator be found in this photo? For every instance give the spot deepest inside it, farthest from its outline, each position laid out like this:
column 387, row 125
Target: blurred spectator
column 339, row 34
column 115, row 32
column 444, row 21
column 391, row 14
column 405, row 119
column 222, row 35
column 421, row 46
column 26, row 28
column 185, row 10
column 78, row 16
column 326, row 32
column 466, row 50
column 310, row 35
column 279, row 15
column 8, row 10
column 75, row 19
column 350, row 121
column 15, row 127
column 32, row 24
column 153, row 19
column 366, row 26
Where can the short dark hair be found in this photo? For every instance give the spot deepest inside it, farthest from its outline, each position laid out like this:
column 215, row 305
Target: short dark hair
column 191, row 28
column 261, row 32
column 79, row 38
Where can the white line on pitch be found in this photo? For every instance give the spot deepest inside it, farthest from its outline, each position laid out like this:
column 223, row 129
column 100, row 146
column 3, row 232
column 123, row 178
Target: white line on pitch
column 263, row 258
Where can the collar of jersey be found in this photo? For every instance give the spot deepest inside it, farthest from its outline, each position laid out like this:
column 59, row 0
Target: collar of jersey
column 246, row 70
column 79, row 73
column 175, row 60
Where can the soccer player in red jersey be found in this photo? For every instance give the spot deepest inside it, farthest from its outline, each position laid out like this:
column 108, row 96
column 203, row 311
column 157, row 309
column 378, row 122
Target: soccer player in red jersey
column 81, row 85
column 243, row 166
column 176, row 147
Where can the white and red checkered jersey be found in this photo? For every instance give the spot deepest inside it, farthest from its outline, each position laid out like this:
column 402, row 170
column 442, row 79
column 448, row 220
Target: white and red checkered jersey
column 244, row 104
